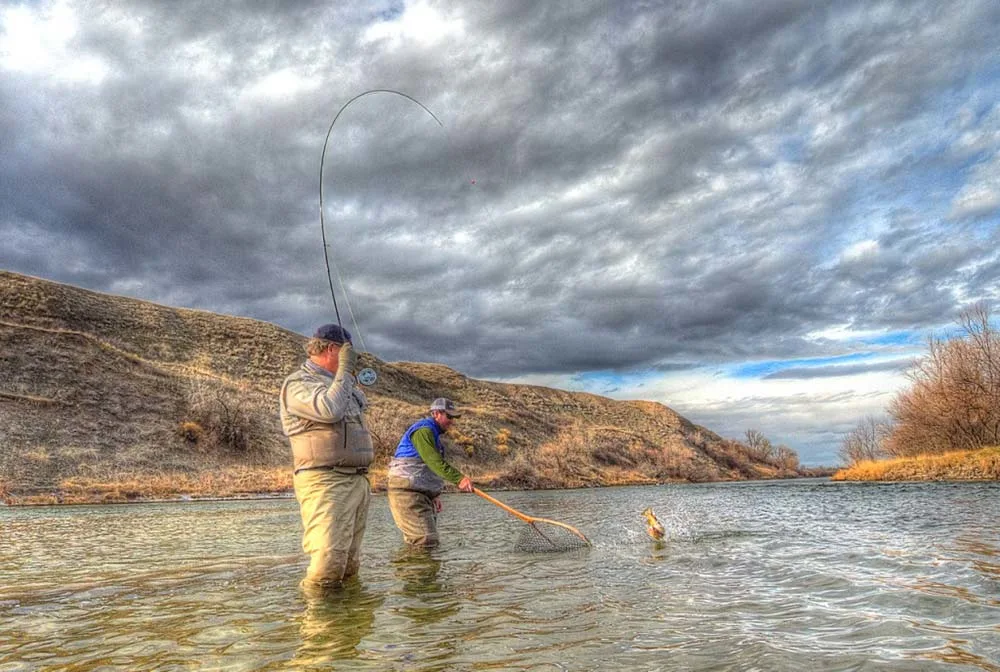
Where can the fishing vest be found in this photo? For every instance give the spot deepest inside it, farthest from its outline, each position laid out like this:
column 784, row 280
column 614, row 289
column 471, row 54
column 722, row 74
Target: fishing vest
column 343, row 444
column 408, row 471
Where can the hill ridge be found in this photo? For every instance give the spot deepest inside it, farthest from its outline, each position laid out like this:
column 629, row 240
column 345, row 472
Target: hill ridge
column 101, row 392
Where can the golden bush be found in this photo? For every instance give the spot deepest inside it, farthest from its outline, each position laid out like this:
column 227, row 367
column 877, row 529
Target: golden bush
column 954, row 401
column 190, row 431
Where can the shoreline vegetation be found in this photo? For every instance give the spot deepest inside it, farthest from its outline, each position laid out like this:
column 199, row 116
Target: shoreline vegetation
column 946, row 424
column 247, row 483
column 982, row 464
column 237, row 483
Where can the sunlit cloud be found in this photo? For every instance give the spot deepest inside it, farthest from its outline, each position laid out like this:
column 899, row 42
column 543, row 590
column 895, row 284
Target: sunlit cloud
column 41, row 43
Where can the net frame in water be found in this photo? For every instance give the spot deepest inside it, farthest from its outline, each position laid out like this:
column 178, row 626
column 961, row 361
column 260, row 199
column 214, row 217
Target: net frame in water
column 535, row 538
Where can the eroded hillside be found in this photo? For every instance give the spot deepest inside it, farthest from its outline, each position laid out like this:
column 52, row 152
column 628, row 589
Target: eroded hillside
column 105, row 397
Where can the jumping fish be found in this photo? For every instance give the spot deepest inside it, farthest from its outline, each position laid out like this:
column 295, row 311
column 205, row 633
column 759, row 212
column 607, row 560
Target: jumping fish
column 654, row 527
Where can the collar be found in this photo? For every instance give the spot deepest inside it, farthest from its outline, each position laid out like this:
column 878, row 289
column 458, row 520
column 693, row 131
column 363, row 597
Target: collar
column 313, row 367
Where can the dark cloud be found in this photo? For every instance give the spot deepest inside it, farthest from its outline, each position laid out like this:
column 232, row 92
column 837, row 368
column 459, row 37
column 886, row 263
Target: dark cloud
column 615, row 186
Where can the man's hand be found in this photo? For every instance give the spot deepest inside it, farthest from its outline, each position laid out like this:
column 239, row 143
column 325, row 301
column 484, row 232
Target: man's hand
column 437, row 504
column 465, row 485
column 347, row 359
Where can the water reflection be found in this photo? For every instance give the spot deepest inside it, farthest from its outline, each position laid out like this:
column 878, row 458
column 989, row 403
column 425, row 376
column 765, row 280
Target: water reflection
column 334, row 622
column 417, row 571
column 956, row 654
column 658, row 552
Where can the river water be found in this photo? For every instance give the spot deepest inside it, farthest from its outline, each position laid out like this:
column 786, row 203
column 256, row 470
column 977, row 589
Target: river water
column 791, row 575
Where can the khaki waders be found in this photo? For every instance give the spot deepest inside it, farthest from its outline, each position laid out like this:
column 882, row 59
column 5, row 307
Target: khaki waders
column 334, row 508
column 414, row 514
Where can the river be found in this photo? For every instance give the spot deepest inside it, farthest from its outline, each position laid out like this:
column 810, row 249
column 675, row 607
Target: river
column 789, row 575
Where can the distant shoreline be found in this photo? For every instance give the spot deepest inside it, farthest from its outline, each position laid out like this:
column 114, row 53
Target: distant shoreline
column 102, row 496
column 978, row 465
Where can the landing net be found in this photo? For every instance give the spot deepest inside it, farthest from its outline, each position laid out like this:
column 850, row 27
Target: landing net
column 543, row 536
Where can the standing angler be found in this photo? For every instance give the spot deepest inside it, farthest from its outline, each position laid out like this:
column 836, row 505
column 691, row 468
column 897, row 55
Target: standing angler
column 322, row 414
column 418, row 472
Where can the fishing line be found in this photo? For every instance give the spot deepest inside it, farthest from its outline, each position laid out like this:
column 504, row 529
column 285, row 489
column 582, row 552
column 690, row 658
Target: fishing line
column 366, row 376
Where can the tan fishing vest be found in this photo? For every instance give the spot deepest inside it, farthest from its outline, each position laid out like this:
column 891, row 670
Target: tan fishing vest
column 343, row 444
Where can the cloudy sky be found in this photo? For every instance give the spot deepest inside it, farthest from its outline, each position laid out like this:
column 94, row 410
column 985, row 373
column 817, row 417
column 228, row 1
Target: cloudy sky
column 753, row 212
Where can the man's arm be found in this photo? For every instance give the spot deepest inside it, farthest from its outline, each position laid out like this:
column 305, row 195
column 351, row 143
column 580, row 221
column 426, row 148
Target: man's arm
column 317, row 401
column 423, row 441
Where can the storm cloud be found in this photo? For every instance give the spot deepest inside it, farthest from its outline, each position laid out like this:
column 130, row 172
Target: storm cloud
column 615, row 187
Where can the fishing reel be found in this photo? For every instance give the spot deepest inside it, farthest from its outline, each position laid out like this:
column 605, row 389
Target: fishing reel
column 367, row 376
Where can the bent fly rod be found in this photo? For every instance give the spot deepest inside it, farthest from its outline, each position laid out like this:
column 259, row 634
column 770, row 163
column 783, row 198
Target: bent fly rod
column 367, row 375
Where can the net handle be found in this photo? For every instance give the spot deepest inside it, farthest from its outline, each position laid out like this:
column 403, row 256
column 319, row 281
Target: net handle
column 529, row 519
column 514, row 512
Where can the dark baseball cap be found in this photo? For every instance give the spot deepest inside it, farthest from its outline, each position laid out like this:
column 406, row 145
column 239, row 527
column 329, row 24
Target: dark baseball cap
column 333, row 332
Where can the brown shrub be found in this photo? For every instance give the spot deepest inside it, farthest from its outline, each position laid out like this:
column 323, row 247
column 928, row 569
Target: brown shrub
column 731, row 455
column 502, row 440
column 521, row 474
column 786, row 458
column 611, row 456
column 226, row 415
column 39, row 456
column 954, row 400
column 190, row 431
column 387, row 420
column 461, row 439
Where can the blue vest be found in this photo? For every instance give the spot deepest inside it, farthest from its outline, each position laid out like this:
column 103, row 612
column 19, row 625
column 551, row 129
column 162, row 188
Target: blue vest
column 406, row 447
column 407, row 471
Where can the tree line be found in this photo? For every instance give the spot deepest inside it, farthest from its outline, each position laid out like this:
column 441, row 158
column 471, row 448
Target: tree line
column 952, row 403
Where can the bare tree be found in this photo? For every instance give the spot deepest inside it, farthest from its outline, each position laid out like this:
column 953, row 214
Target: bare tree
column 954, row 400
column 786, row 457
column 224, row 415
column 866, row 441
column 759, row 445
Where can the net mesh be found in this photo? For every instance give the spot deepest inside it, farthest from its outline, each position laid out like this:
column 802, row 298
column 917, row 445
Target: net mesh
column 544, row 537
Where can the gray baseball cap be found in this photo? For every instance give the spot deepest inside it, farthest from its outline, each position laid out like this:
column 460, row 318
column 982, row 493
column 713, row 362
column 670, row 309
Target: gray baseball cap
column 447, row 406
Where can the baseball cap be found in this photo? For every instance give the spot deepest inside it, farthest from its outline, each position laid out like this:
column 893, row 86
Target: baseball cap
column 333, row 332
column 446, row 405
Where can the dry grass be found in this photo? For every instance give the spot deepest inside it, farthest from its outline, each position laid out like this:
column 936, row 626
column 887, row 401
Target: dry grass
column 131, row 487
column 964, row 465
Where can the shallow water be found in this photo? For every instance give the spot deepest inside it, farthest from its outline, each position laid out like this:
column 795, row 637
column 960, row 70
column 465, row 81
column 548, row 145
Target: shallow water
column 790, row 575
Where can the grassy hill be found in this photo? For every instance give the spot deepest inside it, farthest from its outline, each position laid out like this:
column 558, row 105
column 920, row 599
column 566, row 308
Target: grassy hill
column 106, row 398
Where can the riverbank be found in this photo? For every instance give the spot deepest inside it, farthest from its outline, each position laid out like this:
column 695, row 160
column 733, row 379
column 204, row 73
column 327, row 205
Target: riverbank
column 964, row 465
column 231, row 483
column 254, row 483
